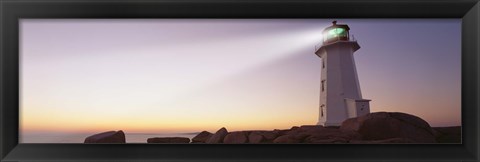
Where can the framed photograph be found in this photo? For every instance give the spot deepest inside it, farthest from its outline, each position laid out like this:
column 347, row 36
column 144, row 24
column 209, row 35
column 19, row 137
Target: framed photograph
column 239, row 80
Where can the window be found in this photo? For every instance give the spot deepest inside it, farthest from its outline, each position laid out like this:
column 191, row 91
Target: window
column 322, row 108
column 323, row 85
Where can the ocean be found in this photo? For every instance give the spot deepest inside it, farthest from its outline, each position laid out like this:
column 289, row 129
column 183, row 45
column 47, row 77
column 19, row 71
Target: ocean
column 79, row 138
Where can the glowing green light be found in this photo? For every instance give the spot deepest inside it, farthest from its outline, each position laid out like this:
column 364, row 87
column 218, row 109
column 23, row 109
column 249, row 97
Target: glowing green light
column 336, row 31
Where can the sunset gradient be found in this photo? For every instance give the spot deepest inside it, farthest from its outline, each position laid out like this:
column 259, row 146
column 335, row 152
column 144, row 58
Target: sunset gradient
column 189, row 75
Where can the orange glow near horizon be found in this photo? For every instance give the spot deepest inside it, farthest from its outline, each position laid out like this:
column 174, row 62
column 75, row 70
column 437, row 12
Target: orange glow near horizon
column 171, row 76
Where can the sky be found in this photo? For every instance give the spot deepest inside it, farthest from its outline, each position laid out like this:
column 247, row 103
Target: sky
column 189, row 75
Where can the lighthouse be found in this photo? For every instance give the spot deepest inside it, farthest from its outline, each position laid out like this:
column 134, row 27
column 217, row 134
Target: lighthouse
column 340, row 95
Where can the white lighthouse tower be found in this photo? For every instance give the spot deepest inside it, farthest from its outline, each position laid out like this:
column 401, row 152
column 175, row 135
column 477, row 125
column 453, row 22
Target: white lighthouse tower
column 340, row 95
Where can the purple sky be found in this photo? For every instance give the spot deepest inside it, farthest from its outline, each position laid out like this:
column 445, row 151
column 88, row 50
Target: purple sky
column 169, row 75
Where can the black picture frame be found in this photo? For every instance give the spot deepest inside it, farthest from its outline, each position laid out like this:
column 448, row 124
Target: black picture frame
column 13, row 10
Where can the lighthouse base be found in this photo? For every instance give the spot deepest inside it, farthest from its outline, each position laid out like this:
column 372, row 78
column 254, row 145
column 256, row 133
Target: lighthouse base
column 327, row 124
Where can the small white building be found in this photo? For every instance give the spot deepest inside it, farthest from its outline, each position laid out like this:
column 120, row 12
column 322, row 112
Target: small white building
column 340, row 95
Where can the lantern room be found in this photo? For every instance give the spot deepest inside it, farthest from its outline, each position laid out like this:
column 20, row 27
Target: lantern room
column 336, row 32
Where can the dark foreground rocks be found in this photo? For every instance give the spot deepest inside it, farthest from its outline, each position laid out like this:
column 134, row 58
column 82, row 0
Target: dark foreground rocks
column 202, row 137
column 302, row 134
column 384, row 141
column 448, row 134
column 373, row 128
column 256, row 137
column 387, row 125
column 107, row 137
column 168, row 140
column 218, row 136
column 236, row 137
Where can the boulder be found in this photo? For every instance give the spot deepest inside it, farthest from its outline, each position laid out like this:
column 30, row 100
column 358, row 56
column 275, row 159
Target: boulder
column 236, row 138
column 311, row 127
column 388, row 125
column 218, row 136
column 202, row 137
column 292, row 131
column 168, row 140
column 255, row 137
column 268, row 136
column 391, row 140
column 334, row 127
column 261, row 136
column 107, row 137
column 294, row 128
column 280, row 132
column 307, row 129
column 328, row 140
column 448, row 134
column 287, row 139
column 330, row 135
column 315, row 134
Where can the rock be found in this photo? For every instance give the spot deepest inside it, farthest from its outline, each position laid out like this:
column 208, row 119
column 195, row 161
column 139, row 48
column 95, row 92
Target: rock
column 292, row 131
column 268, row 136
column 351, row 135
column 107, row 137
column 328, row 140
column 168, row 140
column 391, row 140
column 287, row 139
column 388, row 125
column 236, row 138
column 255, row 137
column 448, row 134
column 218, row 136
column 202, row 137
column 330, row 135
column 294, row 128
column 301, row 136
column 315, row 134
column 279, row 132
column 310, row 127
column 334, row 127
column 247, row 133
column 260, row 136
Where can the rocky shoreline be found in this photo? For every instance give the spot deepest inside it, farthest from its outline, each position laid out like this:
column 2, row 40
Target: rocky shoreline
column 373, row 128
